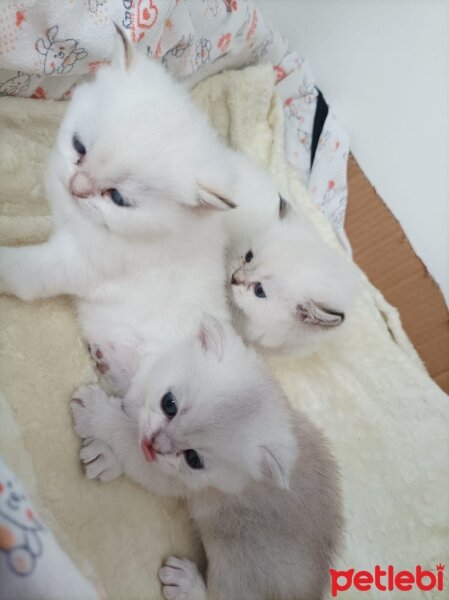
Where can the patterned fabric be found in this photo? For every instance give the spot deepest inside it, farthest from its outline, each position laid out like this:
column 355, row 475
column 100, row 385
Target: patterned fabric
column 46, row 48
column 20, row 530
column 32, row 565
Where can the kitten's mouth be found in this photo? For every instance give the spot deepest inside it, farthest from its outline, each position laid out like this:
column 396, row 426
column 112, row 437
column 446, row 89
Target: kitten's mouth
column 148, row 450
column 151, row 453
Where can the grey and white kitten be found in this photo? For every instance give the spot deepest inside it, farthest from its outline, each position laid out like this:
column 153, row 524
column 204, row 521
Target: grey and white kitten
column 209, row 423
column 290, row 290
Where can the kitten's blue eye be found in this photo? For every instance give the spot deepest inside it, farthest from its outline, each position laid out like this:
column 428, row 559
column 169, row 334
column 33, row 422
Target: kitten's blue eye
column 193, row 459
column 259, row 291
column 79, row 147
column 249, row 256
column 168, row 405
column 117, row 198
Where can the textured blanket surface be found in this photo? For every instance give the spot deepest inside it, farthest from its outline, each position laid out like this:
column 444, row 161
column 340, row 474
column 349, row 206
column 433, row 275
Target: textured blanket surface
column 387, row 421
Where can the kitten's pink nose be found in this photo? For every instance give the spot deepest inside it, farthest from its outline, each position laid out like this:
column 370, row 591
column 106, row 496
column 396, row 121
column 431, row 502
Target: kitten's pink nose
column 81, row 185
column 235, row 279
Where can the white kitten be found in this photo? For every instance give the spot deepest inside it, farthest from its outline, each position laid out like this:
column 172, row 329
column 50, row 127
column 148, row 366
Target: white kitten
column 288, row 287
column 208, row 422
column 138, row 238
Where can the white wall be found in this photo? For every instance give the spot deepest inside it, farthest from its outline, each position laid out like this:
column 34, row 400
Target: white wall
column 383, row 65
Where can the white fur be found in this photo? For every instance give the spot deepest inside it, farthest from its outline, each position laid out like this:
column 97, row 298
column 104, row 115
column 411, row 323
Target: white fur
column 144, row 274
column 299, row 273
column 181, row 580
column 266, row 471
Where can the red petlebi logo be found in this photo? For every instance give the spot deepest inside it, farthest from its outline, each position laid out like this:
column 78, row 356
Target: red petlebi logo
column 387, row 579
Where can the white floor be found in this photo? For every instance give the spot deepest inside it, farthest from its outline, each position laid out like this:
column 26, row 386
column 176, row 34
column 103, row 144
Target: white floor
column 383, row 65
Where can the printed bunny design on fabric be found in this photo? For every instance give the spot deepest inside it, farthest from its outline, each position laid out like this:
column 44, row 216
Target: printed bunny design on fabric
column 178, row 51
column 201, row 55
column 19, row 529
column 259, row 52
column 60, row 55
column 16, row 85
column 32, row 564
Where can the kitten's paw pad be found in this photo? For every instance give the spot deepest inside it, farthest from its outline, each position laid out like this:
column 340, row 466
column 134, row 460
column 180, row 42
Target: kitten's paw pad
column 116, row 364
column 99, row 461
column 88, row 402
column 99, row 359
column 181, row 580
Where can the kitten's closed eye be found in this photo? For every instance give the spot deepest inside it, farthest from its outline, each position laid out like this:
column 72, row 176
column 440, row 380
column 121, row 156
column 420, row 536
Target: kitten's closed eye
column 249, row 256
column 79, row 147
column 193, row 459
column 259, row 291
column 168, row 405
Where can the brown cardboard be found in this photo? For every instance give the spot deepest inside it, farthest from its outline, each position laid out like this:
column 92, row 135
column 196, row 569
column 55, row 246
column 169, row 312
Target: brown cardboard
column 382, row 250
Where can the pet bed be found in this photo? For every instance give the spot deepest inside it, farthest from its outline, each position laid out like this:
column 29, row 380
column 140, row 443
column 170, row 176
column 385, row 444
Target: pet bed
column 387, row 421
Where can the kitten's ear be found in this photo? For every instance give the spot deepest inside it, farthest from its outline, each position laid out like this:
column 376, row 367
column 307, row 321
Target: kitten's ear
column 210, row 337
column 274, row 467
column 209, row 198
column 122, row 55
column 312, row 313
column 284, row 208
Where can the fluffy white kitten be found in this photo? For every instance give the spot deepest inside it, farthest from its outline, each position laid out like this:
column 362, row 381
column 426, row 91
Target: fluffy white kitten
column 209, row 423
column 289, row 288
column 134, row 185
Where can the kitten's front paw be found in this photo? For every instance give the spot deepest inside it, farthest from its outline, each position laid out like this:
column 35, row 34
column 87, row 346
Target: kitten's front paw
column 116, row 365
column 99, row 461
column 99, row 358
column 90, row 405
column 181, row 580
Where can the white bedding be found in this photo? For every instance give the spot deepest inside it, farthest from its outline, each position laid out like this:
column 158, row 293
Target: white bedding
column 387, row 421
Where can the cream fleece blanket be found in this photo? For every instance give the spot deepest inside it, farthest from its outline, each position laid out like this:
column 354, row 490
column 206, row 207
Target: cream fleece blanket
column 387, row 421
